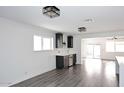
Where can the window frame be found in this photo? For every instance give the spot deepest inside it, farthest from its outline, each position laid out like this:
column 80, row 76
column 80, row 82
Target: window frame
column 42, row 37
column 115, row 46
column 51, row 43
column 34, row 48
column 117, row 43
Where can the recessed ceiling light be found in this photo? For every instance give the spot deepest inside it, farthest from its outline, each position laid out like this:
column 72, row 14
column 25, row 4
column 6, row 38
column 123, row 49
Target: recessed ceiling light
column 51, row 11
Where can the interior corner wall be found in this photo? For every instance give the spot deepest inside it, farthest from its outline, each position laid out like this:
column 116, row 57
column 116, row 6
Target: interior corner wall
column 18, row 61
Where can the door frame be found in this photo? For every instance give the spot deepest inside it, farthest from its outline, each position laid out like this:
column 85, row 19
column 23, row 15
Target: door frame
column 94, row 52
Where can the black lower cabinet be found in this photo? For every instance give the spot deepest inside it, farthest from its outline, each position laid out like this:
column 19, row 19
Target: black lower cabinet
column 59, row 62
column 74, row 59
column 63, row 61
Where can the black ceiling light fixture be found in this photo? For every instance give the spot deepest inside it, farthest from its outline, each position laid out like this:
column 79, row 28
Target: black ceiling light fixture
column 82, row 29
column 51, row 11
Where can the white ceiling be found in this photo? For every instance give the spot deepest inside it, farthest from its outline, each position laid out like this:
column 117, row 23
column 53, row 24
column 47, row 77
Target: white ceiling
column 104, row 18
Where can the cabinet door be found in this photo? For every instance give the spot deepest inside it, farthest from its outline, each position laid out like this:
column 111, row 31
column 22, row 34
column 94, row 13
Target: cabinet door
column 66, row 60
column 70, row 60
column 59, row 40
column 70, row 41
column 74, row 59
column 59, row 62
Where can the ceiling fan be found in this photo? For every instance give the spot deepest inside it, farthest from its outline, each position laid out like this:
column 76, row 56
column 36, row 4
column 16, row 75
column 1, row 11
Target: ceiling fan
column 115, row 38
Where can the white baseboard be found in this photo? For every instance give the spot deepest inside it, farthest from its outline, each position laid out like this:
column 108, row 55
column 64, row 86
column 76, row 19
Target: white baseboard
column 28, row 77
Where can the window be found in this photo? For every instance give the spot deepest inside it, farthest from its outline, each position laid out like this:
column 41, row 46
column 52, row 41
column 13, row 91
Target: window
column 110, row 46
column 37, row 43
column 119, row 46
column 115, row 46
column 47, row 43
column 42, row 43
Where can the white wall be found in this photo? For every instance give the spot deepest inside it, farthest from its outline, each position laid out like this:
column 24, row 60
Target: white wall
column 18, row 61
column 77, row 47
column 102, row 43
column 102, row 34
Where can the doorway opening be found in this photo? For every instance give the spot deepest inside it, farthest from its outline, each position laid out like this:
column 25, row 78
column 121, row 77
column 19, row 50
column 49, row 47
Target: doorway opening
column 91, row 48
column 93, row 51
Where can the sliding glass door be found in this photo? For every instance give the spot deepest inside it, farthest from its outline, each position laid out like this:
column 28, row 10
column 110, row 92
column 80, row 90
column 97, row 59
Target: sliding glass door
column 93, row 51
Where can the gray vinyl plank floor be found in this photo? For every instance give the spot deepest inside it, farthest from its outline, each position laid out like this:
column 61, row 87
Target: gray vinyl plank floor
column 91, row 73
